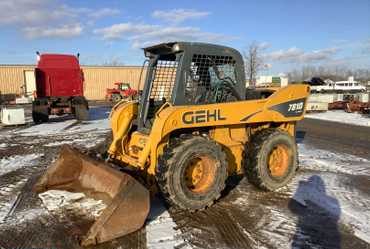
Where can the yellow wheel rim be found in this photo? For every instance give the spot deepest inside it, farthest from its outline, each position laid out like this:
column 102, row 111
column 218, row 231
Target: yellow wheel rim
column 200, row 174
column 278, row 161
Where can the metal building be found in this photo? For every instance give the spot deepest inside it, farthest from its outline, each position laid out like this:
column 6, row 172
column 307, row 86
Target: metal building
column 15, row 78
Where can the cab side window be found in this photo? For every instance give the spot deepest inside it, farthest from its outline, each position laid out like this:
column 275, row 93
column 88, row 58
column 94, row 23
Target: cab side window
column 209, row 78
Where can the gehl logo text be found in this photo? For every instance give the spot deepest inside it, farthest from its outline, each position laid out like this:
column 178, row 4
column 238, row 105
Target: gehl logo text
column 202, row 116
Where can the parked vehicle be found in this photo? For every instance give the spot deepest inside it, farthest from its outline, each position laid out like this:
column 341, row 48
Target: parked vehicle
column 59, row 88
column 122, row 91
column 192, row 128
column 338, row 105
column 358, row 106
column 339, row 86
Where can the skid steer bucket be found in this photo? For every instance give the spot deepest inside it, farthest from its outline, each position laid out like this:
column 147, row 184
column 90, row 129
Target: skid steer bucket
column 127, row 201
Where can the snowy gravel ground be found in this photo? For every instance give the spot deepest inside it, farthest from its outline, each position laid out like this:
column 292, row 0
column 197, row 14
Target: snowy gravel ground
column 342, row 117
column 329, row 194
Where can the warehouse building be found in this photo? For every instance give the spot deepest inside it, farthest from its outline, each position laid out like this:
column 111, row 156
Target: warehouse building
column 15, row 78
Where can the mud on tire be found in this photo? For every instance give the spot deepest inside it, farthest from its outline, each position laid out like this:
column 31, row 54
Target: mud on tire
column 178, row 161
column 271, row 159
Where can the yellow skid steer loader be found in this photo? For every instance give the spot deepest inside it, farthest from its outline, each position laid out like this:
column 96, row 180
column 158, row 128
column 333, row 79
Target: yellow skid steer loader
column 192, row 128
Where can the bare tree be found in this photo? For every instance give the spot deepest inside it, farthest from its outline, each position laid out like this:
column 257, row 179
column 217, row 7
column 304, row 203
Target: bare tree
column 335, row 73
column 113, row 61
column 253, row 62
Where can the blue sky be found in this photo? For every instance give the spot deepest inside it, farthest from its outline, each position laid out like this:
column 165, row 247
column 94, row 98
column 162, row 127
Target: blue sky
column 291, row 33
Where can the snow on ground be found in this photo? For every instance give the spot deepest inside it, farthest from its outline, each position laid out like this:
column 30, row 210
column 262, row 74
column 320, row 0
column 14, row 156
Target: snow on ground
column 323, row 160
column 10, row 192
column 67, row 126
column 342, row 117
column 64, row 130
column 281, row 227
column 160, row 229
column 9, row 196
column 60, row 125
column 15, row 162
column 46, row 128
column 60, row 201
column 22, row 217
column 102, row 124
column 81, row 142
column 331, row 191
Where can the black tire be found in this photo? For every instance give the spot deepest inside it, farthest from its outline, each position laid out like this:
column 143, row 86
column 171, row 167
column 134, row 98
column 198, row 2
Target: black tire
column 175, row 162
column 261, row 150
column 116, row 98
column 81, row 112
column 40, row 113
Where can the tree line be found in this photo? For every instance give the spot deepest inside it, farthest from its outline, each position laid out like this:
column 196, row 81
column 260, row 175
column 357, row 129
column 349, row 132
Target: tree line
column 254, row 63
column 335, row 73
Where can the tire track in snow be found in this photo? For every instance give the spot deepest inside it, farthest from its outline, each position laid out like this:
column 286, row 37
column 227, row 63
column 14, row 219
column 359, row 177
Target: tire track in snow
column 161, row 230
column 11, row 185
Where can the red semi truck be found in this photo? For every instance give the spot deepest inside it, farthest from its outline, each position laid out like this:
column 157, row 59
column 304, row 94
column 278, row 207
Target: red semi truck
column 59, row 88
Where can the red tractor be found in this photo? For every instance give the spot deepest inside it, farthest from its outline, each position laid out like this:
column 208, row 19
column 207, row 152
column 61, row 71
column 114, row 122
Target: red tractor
column 122, row 91
column 59, row 88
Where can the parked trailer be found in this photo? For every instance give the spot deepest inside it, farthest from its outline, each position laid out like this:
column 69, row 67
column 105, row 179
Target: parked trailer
column 322, row 97
column 59, row 88
column 316, row 107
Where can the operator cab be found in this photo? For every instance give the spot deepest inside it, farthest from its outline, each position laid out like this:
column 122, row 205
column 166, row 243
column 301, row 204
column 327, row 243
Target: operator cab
column 186, row 73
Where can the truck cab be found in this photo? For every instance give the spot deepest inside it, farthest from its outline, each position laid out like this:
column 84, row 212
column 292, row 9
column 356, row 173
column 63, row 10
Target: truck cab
column 59, row 88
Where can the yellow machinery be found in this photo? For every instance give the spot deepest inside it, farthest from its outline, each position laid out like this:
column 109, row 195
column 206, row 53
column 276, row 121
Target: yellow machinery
column 192, row 128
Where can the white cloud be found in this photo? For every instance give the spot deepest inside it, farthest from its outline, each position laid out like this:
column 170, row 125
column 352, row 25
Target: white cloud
column 178, row 15
column 264, row 45
column 319, row 55
column 8, row 11
column 118, row 31
column 296, row 55
column 32, row 12
column 103, row 13
column 65, row 31
column 284, row 55
column 142, row 35
column 48, row 18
